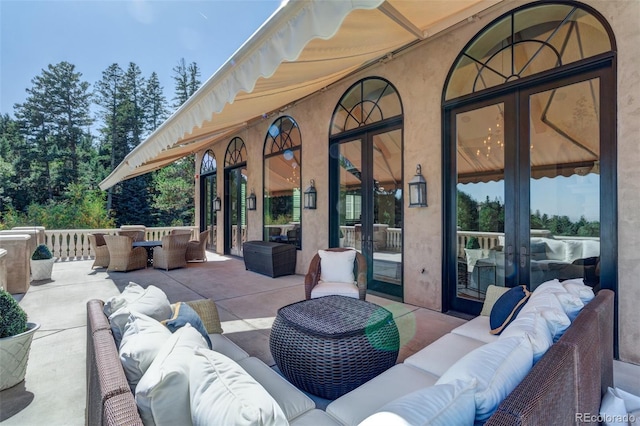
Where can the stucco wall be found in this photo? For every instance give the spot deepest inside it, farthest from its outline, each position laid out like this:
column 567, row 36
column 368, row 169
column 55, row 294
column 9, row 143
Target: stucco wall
column 419, row 75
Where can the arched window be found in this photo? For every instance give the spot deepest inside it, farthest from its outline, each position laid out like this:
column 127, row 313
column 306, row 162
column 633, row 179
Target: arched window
column 530, row 154
column 208, row 164
column 236, row 153
column 282, row 184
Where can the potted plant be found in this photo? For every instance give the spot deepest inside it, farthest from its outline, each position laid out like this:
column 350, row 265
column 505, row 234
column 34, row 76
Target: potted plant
column 473, row 252
column 42, row 263
column 16, row 335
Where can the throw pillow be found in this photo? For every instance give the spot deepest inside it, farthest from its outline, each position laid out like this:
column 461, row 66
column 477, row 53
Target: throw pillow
column 498, row 368
column 142, row 340
column 150, row 301
column 445, row 404
column 573, row 250
column 549, row 307
column 538, row 250
column 571, row 304
column 612, row 409
column 507, row 307
column 577, row 287
column 533, row 326
column 183, row 314
column 337, row 266
column 162, row 394
column 223, row 393
column 208, row 313
column 493, row 294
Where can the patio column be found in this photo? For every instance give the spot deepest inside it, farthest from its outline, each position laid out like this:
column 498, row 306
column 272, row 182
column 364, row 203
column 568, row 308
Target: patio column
column 33, row 242
column 17, row 261
column 40, row 235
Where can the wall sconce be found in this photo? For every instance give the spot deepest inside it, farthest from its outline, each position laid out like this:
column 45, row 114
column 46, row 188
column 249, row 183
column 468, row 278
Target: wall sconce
column 311, row 196
column 251, row 201
column 418, row 189
column 217, row 204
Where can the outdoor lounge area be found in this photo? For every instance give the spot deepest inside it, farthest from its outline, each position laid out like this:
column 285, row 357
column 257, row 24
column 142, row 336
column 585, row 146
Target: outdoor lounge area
column 247, row 302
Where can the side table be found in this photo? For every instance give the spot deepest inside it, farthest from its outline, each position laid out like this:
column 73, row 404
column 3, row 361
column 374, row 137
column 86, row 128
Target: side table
column 330, row 345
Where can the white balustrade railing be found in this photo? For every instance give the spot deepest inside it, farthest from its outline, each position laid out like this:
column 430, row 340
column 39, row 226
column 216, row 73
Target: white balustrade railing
column 70, row 244
column 394, row 239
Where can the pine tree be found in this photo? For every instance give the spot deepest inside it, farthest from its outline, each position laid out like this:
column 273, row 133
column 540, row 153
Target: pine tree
column 155, row 104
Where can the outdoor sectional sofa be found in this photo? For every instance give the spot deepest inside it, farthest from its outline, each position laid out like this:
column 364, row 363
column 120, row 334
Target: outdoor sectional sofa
column 564, row 386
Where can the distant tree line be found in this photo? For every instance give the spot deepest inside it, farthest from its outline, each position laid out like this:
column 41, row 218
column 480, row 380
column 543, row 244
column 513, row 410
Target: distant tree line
column 51, row 163
column 488, row 216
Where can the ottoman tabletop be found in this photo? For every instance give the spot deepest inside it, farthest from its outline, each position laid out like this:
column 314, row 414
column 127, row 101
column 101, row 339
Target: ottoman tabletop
column 335, row 316
column 331, row 345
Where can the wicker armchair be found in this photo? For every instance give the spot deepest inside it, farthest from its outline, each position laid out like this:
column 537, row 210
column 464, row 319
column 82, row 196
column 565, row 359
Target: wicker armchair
column 173, row 252
column 122, row 256
column 359, row 268
column 196, row 250
column 100, row 250
column 134, row 235
column 177, row 231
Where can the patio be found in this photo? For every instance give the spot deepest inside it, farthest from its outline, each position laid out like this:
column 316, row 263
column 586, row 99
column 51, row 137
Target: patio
column 54, row 388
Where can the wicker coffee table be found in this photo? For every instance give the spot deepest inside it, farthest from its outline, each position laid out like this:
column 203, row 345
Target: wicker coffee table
column 331, row 345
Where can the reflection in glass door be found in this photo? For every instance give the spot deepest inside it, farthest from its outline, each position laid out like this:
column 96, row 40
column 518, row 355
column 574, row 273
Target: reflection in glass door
column 370, row 205
column 480, row 141
column 564, row 146
column 236, row 210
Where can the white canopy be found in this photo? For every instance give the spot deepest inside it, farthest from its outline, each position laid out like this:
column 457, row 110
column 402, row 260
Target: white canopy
column 303, row 47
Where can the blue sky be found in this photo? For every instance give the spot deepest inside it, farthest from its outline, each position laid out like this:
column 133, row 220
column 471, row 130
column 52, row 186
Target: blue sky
column 95, row 34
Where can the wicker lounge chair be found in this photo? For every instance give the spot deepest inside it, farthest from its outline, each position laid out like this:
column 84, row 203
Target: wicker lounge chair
column 134, row 235
column 360, row 271
column 122, row 256
column 173, row 252
column 100, row 250
column 196, row 250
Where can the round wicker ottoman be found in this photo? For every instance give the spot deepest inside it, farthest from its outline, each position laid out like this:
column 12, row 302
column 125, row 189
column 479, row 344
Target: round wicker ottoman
column 331, row 345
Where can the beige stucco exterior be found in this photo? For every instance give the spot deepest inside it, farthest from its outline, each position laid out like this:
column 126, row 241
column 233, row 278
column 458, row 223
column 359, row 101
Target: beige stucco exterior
column 419, row 75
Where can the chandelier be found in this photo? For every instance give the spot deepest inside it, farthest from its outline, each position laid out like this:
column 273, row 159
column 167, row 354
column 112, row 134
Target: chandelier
column 494, row 139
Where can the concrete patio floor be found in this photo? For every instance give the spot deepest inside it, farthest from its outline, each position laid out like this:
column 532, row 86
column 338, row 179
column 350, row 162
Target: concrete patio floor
column 54, row 393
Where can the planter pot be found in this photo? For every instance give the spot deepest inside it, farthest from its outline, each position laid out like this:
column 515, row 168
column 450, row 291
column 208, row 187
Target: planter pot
column 41, row 269
column 14, row 352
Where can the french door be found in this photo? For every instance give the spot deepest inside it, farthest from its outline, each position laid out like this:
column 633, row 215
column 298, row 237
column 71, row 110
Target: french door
column 527, row 204
column 208, row 214
column 366, row 190
column 236, row 210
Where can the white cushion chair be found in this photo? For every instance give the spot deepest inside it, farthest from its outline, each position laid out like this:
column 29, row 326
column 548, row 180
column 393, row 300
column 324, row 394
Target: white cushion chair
column 336, row 271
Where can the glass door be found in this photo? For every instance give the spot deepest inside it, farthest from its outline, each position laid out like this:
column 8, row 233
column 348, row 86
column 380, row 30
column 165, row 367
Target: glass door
column 236, row 210
column 209, row 214
column 527, row 189
column 369, row 203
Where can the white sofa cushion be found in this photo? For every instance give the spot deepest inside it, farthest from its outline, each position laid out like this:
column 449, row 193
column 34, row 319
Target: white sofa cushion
column 324, row 288
column 440, row 355
column 366, row 399
column 440, row 405
column 533, row 326
column 571, row 304
column 477, row 328
column 223, row 393
column 556, row 249
column 291, row 400
column 337, row 266
column 590, row 248
column 141, row 342
column 498, row 367
column 162, row 394
column 221, row 343
column 315, row 417
column 548, row 305
column 577, row 287
column 573, row 250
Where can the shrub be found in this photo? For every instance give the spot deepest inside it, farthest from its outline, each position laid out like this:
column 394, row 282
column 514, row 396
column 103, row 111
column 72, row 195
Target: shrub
column 473, row 243
column 13, row 319
column 42, row 252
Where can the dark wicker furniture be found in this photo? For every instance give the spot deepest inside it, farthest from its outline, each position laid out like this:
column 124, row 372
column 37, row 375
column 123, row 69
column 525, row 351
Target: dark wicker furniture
column 269, row 258
column 330, row 345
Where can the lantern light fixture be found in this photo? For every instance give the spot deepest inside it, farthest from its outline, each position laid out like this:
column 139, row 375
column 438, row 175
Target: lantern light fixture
column 418, row 189
column 217, row 203
column 311, row 196
column 251, row 200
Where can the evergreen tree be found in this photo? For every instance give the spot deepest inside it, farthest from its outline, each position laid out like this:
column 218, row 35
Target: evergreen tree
column 187, row 81
column 155, row 104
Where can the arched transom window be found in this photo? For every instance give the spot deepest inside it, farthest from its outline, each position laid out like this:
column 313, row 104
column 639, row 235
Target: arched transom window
column 525, row 42
column 236, row 153
column 208, row 164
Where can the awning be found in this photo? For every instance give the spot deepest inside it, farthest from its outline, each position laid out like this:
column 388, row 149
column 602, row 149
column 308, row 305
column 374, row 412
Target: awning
column 303, row 47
